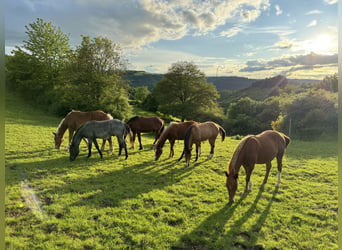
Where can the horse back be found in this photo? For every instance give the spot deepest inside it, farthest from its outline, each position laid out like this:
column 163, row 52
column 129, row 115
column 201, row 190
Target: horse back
column 76, row 119
column 145, row 124
column 270, row 144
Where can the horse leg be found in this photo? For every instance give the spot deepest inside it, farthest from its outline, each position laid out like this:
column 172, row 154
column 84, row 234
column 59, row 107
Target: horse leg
column 198, row 150
column 139, row 138
column 71, row 133
column 248, row 169
column 181, row 156
column 133, row 140
column 111, row 149
column 268, row 168
column 97, row 147
column 103, row 144
column 212, row 146
column 172, row 143
column 90, row 142
column 280, row 166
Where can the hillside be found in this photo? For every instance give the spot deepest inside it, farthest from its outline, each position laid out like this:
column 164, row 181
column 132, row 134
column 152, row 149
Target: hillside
column 142, row 78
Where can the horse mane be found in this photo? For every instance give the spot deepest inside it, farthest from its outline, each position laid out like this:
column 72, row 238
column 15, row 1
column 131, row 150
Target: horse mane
column 133, row 118
column 237, row 151
column 110, row 116
column 61, row 127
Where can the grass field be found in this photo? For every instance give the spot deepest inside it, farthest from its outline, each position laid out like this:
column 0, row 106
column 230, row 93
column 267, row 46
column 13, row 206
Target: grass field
column 139, row 203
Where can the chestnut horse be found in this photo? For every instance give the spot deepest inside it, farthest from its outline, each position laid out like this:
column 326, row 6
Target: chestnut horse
column 175, row 131
column 200, row 132
column 74, row 120
column 140, row 125
column 256, row 149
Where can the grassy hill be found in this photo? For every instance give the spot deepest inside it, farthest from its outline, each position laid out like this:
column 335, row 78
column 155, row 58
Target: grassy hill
column 139, row 203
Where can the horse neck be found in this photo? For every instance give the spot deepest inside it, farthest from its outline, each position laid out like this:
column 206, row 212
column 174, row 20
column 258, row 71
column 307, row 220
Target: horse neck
column 236, row 160
column 76, row 139
column 162, row 139
column 62, row 127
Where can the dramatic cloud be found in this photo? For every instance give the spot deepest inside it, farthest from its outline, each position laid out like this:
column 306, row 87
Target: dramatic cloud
column 132, row 23
column 304, row 61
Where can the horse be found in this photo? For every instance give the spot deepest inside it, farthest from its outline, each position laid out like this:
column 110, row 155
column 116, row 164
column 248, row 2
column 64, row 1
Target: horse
column 200, row 132
column 99, row 129
column 256, row 149
column 175, row 131
column 75, row 119
column 140, row 125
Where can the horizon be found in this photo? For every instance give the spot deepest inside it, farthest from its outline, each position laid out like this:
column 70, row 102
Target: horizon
column 253, row 39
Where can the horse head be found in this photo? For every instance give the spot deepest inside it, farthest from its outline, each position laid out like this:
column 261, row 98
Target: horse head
column 74, row 151
column 157, row 152
column 58, row 140
column 231, row 184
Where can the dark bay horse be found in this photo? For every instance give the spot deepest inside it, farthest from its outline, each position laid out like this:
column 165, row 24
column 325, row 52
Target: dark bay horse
column 175, row 131
column 200, row 132
column 75, row 119
column 140, row 125
column 256, row 149
column 99, row 129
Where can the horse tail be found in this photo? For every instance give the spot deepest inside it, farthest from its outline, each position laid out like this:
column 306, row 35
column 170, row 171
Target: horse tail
column 222, row 132
column 287, row 140
column 128, row 131
column 187, row 138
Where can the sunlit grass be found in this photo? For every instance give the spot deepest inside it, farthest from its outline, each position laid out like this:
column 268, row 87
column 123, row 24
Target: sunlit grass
column 112, row 203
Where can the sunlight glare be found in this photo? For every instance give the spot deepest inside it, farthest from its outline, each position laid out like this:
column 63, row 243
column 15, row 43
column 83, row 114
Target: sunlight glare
column 322, row 44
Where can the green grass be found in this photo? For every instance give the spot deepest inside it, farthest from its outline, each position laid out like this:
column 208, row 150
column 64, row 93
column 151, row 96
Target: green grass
column 138, row 203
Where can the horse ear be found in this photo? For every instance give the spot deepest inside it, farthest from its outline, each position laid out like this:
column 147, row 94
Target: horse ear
column 226, row 173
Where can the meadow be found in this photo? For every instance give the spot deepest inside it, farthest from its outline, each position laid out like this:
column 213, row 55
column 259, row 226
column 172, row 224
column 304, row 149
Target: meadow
column 139, row 203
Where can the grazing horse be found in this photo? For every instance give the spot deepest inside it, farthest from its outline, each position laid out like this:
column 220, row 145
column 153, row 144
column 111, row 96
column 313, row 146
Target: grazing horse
column 175, row 131
column 99, row 129
column 256, row 149
column 140, row 125
column 75, row 119
column 198, row 133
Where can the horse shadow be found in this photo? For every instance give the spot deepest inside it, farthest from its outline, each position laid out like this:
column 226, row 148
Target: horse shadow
column 211, row 233
column 109, row 188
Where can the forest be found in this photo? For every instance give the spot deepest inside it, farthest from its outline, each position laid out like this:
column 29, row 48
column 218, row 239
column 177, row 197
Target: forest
column 57, row 78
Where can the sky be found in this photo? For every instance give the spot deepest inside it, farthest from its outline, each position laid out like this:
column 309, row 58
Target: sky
column 247, row 38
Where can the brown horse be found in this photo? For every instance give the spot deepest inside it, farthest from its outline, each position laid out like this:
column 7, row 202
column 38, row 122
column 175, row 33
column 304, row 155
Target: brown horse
column 175, row 131
column 256, row 149
column 140, row 125
column 198, row 133
column 74, row 120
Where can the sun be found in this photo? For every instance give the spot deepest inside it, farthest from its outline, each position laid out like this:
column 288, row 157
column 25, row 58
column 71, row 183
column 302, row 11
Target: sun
column 321, row 44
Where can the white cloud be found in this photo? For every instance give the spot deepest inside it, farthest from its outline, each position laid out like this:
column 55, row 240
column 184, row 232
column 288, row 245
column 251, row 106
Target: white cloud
column 278, row 10
column 313, row 23
column 136, row 23
column 330, row 1
column 314, row 12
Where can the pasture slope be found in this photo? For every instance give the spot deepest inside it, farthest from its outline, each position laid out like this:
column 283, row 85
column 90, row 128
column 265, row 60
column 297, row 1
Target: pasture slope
column 139, row 203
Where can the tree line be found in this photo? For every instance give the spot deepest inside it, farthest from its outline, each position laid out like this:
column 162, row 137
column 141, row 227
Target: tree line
column 48, row 72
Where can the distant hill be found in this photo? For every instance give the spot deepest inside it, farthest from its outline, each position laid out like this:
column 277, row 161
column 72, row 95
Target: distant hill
column 142, row 78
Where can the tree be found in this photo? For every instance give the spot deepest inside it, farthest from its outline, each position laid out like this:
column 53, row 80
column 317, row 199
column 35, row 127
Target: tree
column 34, row 69
column 183, row 92
column 93, row 78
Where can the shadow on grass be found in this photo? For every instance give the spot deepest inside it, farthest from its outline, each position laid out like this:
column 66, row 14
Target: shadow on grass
column 211, row 233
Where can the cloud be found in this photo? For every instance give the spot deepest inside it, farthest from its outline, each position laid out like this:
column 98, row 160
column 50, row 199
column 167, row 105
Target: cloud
column 330, row 1
column 132, row 23
column 313, row 23
column 314, row 12
column 285, row 44
column 278, row 10
column 311, row 60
